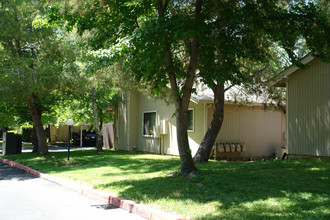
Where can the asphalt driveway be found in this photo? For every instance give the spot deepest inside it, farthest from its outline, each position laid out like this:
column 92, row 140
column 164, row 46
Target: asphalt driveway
column 24, row 196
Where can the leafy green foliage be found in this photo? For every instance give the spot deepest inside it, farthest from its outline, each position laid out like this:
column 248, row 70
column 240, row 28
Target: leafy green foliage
column 78, row 106
column 245, row 32
column 13, row 115
column 35, row 60
column 172, row 43
column 231, row 34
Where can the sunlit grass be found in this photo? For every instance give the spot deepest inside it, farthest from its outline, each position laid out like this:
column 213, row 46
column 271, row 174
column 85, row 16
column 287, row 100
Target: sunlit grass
column 291, row 189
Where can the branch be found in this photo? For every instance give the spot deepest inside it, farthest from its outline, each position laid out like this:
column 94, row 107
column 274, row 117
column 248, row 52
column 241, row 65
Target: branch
column 166, row 4
column 255, row 72
column 136, row 23
column 194, row 54
column 169, row 57
column 19, row 48
column 160, row 8
column 226, row 89
column 11, row 46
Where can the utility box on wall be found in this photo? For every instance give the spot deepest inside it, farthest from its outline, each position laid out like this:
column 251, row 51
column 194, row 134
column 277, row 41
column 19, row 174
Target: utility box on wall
column 164, row 127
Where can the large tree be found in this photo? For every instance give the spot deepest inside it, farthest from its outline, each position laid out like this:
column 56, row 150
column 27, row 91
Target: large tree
column 246, row 34
column 126, row 22
column 171, row 43
column 32, row 60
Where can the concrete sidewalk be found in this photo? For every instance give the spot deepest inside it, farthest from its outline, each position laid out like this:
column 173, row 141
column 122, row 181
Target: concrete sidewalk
column 131, row 206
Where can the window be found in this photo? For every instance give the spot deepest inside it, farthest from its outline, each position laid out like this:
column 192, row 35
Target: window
column 190, row 119
column 149, row 123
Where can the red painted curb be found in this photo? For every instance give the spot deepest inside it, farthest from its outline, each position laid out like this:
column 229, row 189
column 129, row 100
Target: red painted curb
column 129, row 205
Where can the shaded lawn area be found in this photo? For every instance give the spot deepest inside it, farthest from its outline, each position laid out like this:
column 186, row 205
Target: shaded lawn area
column 290, row 189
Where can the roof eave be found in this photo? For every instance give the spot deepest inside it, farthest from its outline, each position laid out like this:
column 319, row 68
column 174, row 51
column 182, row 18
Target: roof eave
column 280, row 80
column 201, row 101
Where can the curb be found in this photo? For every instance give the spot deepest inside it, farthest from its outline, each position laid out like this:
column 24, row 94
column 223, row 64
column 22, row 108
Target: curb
column 129, row 205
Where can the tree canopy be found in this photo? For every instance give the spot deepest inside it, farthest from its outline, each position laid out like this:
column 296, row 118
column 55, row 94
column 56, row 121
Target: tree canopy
column 34, row 61
column 172, row 43
column 160, row 43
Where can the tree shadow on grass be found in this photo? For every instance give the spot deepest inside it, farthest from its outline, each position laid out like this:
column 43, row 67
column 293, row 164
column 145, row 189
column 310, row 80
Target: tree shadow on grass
column 274, row 189
column 126, row 163
column 292, row 189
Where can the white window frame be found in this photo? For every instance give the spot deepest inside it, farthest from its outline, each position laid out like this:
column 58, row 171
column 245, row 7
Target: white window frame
column 193, row 119
column 146, row 135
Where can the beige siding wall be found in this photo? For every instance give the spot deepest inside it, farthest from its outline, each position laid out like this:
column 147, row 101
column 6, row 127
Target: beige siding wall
column 127, row 121
column 131, row 135
column 133, row 119
column 122, row 121
column 130, row 123
column 150, row 144
column 60, row 133
column 196, row 136
column 309, row 110
column 261, row 130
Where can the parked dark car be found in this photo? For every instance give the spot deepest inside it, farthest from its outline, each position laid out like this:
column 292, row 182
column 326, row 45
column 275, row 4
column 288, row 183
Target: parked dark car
column 89, row 138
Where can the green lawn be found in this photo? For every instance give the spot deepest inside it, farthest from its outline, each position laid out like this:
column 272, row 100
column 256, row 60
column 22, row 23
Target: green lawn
column 290, row 189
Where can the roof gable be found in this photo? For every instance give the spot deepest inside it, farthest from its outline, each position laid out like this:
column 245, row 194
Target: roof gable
column 280, row 80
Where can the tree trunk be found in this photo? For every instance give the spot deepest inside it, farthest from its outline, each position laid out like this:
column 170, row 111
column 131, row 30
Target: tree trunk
column 115, row 120
column 99, row 137
column 182, row 101
column 204, row 150
column 187, row 163
column 35, row 140
column 37, row 124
